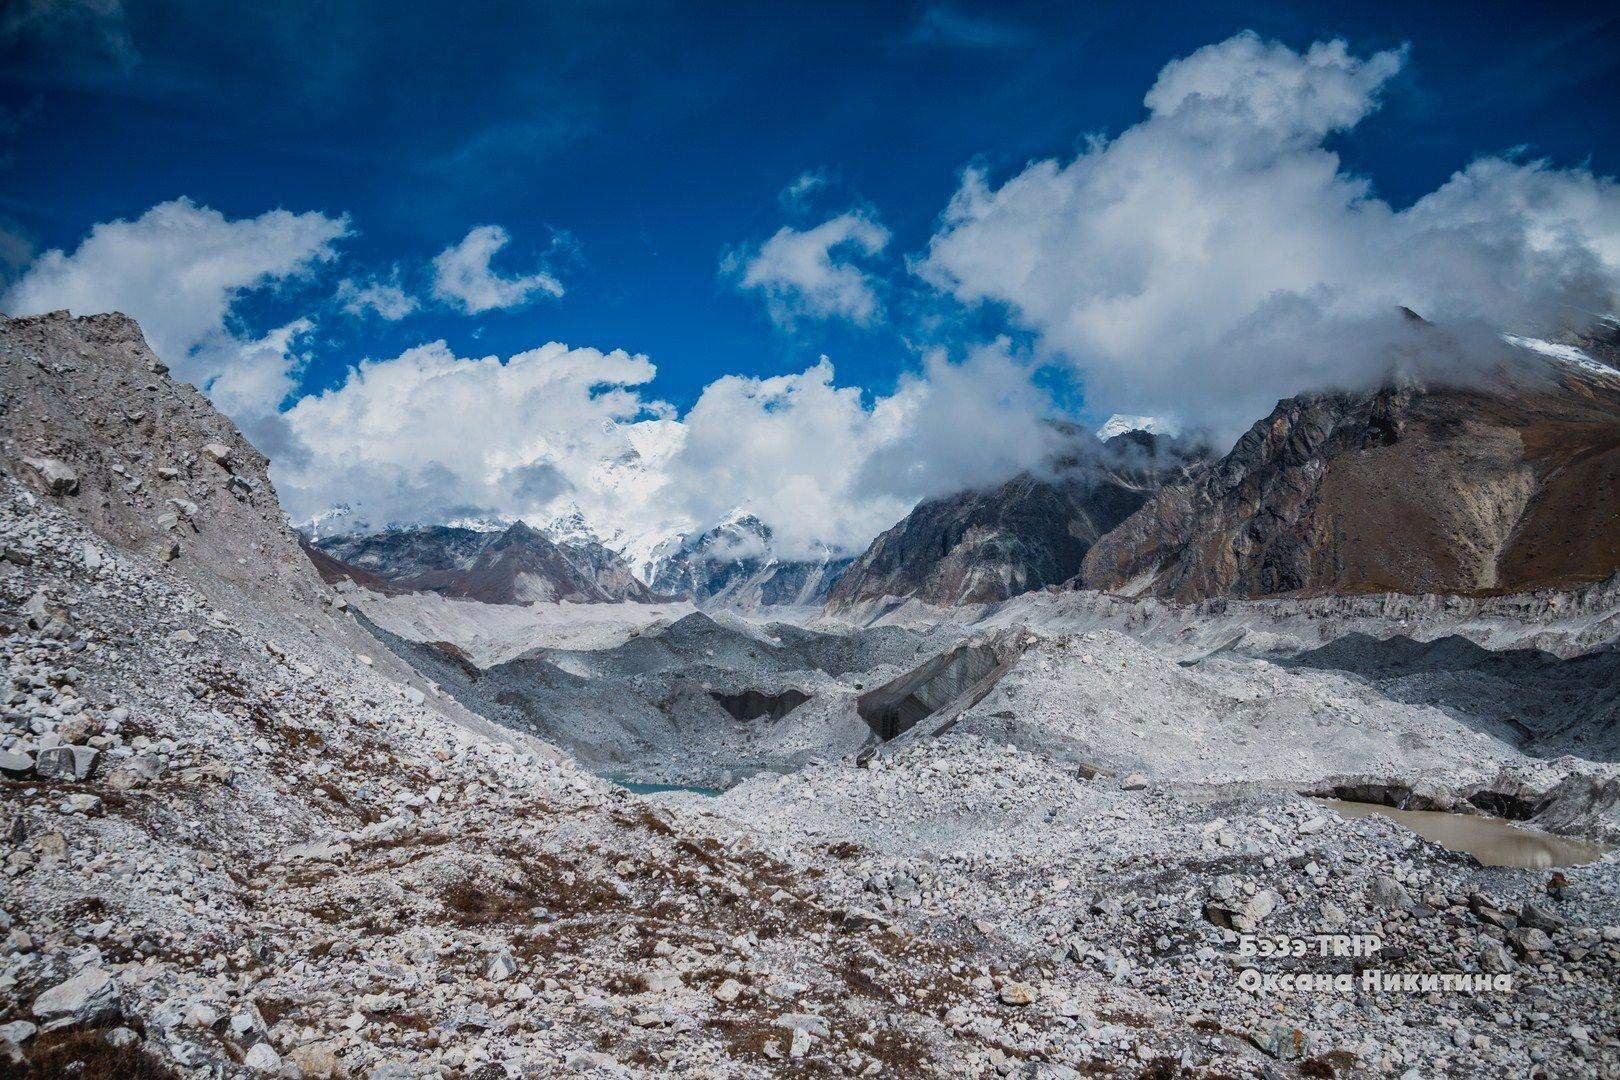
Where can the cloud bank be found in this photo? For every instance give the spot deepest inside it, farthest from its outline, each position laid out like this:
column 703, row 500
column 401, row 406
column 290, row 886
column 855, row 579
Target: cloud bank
column 1217, row 256
column 562, row 427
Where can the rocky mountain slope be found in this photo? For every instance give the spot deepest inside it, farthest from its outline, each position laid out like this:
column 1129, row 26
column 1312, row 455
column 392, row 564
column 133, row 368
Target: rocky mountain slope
column 1499, row 487
column 734, row 563
column 514, row 565
column 979, row 547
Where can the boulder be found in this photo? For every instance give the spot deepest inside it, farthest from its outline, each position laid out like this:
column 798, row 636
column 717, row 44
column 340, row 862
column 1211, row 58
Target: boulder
column 1527, row 941
column 263, row 1058
column 89, row 996
column 316, row 1061
column 1017, row 993
column 501, row 967
column 1388, row 893
column 56, row 475
column 66, row 762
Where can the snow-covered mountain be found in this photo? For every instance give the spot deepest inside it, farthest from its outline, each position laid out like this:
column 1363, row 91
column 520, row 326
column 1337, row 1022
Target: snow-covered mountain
column 515, row 565
column 734, row 563
column 1123, row 424
column 337, row 518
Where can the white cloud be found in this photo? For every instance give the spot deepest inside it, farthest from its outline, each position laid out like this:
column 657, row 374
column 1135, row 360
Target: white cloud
column 798, row 193
column 560, row 426
column 177, row 270
column 825, row 469
column 394, row 439
column 1216, row 257
column 807, row 273
column 462, row 275
column 387, row 299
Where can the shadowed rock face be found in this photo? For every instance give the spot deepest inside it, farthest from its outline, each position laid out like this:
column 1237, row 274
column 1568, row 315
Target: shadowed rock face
column 985, row 546
column 753, row 704
column 959, row 676
column 517, row 566
column 1504, row 488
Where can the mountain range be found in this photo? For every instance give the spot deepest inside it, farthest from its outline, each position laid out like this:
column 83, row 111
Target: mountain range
column 979, row 547
column 515, row 565
column 1491, row 484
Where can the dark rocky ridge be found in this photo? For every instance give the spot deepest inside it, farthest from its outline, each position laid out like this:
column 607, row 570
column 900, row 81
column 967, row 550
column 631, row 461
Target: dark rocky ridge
column 1032, row 531
column 1498, row 488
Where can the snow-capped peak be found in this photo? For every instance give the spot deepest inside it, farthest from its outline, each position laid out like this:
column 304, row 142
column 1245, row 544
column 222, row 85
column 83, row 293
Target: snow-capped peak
column 486, row 523
column 327, row 522
column 1123, row 423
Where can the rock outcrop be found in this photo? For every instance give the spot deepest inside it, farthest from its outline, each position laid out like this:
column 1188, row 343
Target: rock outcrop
column 90, row 420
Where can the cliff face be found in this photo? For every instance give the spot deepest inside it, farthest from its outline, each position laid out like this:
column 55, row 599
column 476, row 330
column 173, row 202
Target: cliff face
column 1498, row 488
column 1033, row 531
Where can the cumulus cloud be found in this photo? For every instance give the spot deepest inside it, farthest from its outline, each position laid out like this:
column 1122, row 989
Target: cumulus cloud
column 1216, row 256
column 463, row 277
column 177, row 270
column 825, row 469
column 385, row 299
column 560, row 428
column 394, row 440
column 810, row 273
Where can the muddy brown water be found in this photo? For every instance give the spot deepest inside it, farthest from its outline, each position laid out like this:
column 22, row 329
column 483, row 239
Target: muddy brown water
column 1493, row 841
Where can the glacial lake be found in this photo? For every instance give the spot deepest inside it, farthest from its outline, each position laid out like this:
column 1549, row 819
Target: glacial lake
column 1493, row 841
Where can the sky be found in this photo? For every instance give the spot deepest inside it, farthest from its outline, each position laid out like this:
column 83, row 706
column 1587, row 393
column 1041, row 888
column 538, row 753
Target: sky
column 658, row 261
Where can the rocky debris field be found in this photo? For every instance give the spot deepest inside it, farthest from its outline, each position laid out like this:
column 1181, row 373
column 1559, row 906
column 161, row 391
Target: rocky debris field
column 1445, row 725
column 276, row 862
column 654, row 704
column 1116, row 909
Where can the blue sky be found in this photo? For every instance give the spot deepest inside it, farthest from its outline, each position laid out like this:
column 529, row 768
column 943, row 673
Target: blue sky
column 633, row 144
column 982, row 214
